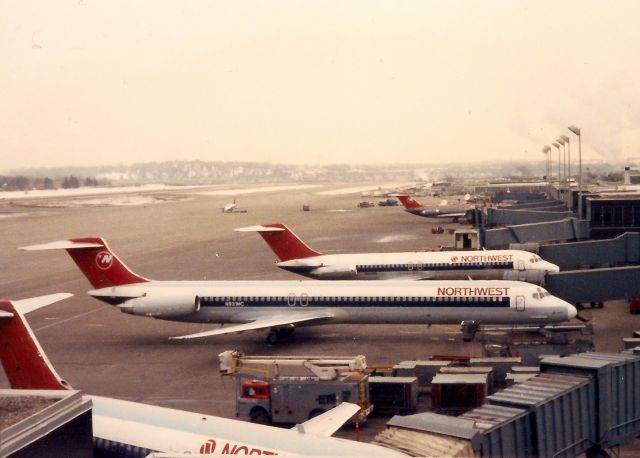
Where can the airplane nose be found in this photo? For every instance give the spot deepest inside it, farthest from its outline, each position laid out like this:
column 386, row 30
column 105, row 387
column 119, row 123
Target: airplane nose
column 572, row 312
column 552, row 267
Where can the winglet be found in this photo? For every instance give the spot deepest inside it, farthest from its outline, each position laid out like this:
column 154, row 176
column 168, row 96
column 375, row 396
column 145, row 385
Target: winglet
column 284, row 243
column 329, row 422
column 24, row 361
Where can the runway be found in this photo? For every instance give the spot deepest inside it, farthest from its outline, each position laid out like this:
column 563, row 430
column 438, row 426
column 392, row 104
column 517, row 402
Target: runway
column 183, row 235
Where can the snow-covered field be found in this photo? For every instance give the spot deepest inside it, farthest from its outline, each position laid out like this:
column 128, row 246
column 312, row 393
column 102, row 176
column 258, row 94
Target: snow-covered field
column 239, row 191
column 360, row 189
column 53, row 193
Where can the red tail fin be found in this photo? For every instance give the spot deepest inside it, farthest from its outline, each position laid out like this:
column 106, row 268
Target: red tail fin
column 96, row 261
column 284, row 243
column 24, row 362
column 408, row 201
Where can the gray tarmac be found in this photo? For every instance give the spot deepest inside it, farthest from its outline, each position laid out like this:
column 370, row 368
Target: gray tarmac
column 185, row 236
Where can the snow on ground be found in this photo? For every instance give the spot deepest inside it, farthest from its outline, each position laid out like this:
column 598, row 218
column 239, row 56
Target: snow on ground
column 48, row 193
column 359, row 189
column 396, row 238
column 239, row 191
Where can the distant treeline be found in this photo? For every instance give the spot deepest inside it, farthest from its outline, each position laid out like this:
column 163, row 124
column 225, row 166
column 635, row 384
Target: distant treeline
column 23, row 183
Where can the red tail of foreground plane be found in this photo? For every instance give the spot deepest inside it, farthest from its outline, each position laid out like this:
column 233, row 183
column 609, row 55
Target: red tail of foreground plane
column 284, row 243
column 408, row 201
column 96, row 261
column 24, row 361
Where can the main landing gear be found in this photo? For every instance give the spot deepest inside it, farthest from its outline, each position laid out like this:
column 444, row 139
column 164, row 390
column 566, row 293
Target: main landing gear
column 469, row 329
column 277, row 335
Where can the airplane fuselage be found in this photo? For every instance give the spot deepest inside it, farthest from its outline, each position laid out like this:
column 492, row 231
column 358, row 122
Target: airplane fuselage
column 421, row 265
column 392, row 302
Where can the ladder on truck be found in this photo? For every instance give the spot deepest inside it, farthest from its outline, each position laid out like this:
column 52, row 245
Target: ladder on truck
column 325, row 368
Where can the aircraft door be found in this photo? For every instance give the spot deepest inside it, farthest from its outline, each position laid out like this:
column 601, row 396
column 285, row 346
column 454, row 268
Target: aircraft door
column 291, row 300
column 304, row 299
column 520, row 303
column 521, row 265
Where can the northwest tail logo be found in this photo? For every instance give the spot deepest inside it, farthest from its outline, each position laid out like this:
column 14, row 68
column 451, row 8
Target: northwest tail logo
column 104, row 260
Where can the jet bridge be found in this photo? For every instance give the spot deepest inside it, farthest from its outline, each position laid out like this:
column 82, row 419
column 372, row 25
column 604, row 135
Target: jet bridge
column 595, row 285
column 619, row 251
column 563, row 229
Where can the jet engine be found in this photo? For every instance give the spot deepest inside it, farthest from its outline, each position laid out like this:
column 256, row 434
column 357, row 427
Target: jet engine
column 161, row 306
column 334, row 272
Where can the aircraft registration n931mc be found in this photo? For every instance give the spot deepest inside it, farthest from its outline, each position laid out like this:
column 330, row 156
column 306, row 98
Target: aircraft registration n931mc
column 281, row 305
column 131, row 429
column 296, row 256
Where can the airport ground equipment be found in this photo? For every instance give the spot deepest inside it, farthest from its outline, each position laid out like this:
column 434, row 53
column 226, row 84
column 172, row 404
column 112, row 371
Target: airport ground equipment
column 623, row 250
column 397, row 395
column 277, row 398
column 585, row 403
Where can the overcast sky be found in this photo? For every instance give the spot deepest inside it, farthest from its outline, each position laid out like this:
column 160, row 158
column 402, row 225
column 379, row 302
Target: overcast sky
column 89, row 82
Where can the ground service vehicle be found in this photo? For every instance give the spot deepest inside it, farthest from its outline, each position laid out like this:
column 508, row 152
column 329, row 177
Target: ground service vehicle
column 277, row 398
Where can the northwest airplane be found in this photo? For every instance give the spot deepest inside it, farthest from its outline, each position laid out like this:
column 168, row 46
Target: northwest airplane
column 282, row 305
column 443, row 210
column 297, row 257
column 131, row 429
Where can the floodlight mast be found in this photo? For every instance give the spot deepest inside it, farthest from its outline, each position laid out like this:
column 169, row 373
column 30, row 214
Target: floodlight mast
column 576, row 131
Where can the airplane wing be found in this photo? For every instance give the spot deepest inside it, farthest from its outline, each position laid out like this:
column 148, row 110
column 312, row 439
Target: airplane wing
column 264, row 323
column 329, row 422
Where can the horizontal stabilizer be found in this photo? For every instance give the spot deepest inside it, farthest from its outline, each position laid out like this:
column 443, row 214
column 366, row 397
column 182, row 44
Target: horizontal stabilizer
column 259, row 229
column 263, row 323
column 329, row 422
column 60, row 245
column 34, row 303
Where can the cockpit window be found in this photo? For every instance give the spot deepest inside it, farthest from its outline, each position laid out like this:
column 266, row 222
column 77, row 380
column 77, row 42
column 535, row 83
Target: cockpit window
column 541, row 293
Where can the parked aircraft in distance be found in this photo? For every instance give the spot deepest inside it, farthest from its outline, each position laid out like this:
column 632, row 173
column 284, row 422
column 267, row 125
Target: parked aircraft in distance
column 296, row 256
column 132, row 429
column 281, row 305
column 444, row 210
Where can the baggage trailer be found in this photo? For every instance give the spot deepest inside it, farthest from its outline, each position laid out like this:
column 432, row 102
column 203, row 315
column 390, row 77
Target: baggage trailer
column 398, row 395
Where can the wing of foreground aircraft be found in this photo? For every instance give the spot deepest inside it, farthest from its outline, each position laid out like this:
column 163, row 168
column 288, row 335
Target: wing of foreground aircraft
column 265, row 323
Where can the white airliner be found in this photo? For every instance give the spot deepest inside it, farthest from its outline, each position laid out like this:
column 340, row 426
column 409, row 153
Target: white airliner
column 131, row 429
column 296, row 256
column 281, row 305
column 444, row 210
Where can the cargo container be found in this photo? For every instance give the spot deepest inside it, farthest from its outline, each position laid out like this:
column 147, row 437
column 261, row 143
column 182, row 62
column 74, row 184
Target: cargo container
column 617, row 378
column 462, row 370
column 562, row 410
column 457, row 393
column 500, row 365
column 424, row 371
column 397, row 395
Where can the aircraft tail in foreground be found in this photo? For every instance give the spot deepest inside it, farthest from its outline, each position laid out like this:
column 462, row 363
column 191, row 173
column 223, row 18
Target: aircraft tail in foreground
column 24, row 361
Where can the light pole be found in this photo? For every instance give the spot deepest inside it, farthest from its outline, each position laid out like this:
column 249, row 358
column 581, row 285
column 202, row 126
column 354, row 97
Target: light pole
column 568, row 142
column 547, row 158
column 558, row 146
column 576, row 131
column 564, row 159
